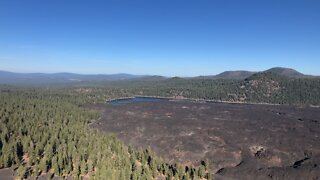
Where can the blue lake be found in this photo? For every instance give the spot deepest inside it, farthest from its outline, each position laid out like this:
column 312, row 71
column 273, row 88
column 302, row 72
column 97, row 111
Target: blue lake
column 135, row 99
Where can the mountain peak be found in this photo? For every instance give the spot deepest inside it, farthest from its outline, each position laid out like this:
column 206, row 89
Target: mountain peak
column 285, row 72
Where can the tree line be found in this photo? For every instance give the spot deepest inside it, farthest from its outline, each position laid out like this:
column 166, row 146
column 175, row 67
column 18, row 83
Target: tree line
column 47, row 132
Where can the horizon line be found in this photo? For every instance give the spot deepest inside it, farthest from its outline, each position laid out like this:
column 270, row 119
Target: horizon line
column 125, row 73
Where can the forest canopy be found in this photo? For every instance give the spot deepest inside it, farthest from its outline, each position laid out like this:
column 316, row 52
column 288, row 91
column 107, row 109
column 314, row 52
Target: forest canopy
column 47, row 132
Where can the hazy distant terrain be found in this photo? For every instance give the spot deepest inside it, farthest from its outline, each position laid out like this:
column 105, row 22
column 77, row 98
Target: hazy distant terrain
column 43, row 78
column 67, row 78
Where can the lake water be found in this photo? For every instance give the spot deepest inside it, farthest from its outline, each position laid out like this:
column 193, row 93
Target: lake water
column 135, row 99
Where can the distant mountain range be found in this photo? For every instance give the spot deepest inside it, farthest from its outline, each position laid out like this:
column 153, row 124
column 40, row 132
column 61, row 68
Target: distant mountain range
column 44, row 78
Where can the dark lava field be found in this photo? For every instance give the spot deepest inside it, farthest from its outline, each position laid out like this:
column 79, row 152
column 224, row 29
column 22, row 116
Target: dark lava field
column 241, row 141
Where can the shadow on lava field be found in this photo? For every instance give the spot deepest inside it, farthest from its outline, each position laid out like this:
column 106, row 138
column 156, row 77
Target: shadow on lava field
column 240, row 140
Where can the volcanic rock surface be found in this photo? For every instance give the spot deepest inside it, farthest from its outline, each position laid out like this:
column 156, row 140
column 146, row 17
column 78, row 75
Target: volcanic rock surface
column 241, row 141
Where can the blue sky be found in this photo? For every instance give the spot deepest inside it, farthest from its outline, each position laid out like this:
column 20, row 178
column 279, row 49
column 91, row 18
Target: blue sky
column 164, row 37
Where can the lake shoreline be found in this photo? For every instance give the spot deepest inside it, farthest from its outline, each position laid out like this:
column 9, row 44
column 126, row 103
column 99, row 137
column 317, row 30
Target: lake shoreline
column 171, row 98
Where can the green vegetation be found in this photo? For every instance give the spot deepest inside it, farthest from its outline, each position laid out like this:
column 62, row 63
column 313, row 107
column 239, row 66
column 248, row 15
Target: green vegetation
column 259, row 88
column 46, row 131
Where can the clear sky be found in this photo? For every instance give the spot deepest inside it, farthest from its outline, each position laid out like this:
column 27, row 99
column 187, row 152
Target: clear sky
column 163, row 37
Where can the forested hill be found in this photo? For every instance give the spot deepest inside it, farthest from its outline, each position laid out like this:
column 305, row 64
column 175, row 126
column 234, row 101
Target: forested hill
column 264, row 87
column 287, row 72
